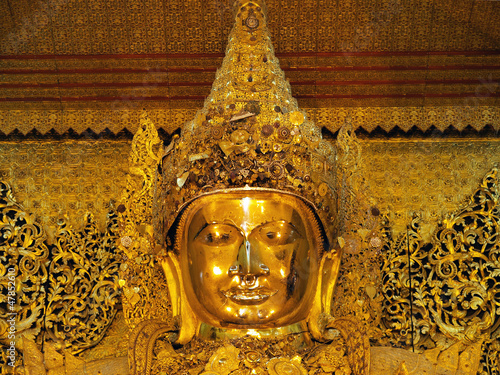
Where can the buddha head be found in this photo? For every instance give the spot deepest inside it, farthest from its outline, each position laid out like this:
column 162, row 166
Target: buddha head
column 249, row 258
column 247, row 198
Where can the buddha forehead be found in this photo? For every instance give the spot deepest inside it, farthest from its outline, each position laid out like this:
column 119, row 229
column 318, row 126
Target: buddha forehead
column 247, row 210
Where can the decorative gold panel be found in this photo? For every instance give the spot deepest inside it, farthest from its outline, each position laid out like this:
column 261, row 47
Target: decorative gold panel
column 56, row 178
column 61, row 291
column 426, row 176
column 82, row 288
column 25, row 258
column 154, row 26
column 366, row 118
column 440, row 285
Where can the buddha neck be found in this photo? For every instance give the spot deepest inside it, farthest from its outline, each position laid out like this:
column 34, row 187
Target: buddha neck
column 299, row 332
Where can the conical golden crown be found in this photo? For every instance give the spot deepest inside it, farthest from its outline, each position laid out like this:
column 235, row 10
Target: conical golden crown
column 250, row 133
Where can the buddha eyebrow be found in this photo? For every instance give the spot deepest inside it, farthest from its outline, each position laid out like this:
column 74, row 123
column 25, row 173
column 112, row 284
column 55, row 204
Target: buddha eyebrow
column 261, row 226
column 212, row 223
column 295, row 228
column 201, row 229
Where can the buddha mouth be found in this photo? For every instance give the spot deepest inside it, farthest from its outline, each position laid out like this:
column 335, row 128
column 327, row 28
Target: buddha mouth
column 245, row 296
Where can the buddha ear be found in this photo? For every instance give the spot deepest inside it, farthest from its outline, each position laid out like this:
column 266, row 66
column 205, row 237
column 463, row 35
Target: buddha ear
column 180, row 306
column 328, row 271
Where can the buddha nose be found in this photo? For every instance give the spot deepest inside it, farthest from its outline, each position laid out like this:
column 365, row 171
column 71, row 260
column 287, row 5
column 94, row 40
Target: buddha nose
column 249, row 279
column 248, row 264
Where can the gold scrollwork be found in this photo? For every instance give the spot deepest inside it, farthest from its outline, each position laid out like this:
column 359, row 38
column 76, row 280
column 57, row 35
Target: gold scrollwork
column 398, row 303
column 140, row 276
column 63, row 291
column 446, row 290
column 490, row 359
column 24, row 256
column 82, row 286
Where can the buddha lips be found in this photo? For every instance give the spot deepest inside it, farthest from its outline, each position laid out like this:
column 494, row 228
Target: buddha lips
column 249, row 296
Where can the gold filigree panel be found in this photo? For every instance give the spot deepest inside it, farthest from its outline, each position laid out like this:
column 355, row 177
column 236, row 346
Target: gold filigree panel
column 366, row 118
column 62, row 291
column 155, row 26
column 428, row 176
column 440, row 283
column 82, row 284
column 57, row 178
column 24, row 261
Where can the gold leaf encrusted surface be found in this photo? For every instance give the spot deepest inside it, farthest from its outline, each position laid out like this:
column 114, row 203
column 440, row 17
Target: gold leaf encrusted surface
column 445, row 278
column 141, row 278
column 367, row 117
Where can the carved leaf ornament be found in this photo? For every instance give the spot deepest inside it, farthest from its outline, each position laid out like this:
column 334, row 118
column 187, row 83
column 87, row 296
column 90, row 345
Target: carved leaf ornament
column 450, row 292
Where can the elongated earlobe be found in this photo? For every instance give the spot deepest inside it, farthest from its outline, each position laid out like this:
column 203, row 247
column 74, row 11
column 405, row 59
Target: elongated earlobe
column 327, row 278
column 180, row 306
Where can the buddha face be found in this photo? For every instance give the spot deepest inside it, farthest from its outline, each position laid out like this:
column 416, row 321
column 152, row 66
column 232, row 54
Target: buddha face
column 249, row 260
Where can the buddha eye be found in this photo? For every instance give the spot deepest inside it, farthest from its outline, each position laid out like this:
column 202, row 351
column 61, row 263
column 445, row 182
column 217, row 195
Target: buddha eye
column 278, row 233
column 218, row 235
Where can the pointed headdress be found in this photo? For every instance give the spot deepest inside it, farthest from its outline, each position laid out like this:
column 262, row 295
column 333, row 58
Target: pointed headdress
column 250, row 134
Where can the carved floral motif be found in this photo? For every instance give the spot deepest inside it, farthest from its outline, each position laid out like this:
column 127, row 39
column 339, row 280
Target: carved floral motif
column 448, row 293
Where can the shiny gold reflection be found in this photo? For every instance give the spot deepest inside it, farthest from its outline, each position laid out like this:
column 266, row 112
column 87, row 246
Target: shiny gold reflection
column 250, row 260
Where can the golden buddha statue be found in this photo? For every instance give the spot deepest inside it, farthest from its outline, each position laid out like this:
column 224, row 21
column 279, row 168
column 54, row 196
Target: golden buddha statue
column 247, row 207
column 249, row 246
column 252, row 211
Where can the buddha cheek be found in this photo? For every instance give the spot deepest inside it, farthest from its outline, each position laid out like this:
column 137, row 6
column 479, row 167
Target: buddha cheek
column 284, row 274
column 207, row 276
column 216, row 283
column 294, row 277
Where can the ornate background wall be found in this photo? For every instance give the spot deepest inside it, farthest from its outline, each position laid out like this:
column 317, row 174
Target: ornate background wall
column 418, row 79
